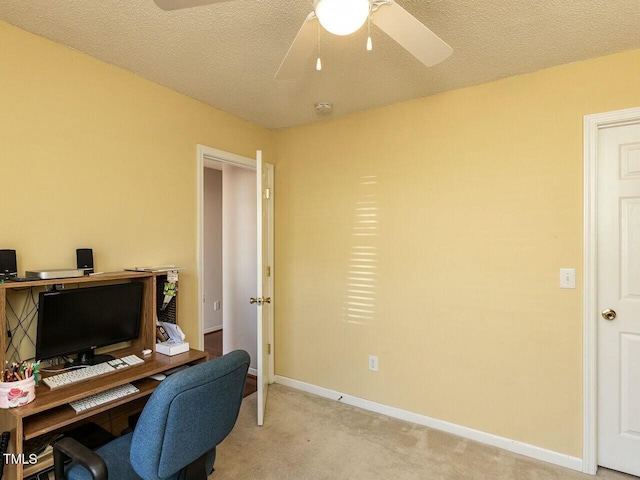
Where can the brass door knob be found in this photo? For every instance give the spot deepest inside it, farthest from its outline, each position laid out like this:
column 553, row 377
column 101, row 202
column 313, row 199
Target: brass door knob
column 608, row 314
column 260, row 300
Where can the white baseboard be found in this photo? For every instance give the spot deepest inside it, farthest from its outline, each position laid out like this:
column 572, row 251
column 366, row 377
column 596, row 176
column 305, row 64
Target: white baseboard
column 514, row 446
column 253, row 371
column 212, row 329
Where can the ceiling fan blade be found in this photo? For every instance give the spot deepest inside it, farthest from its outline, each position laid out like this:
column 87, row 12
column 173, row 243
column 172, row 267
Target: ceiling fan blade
column 178, row 4
column 300, row 50
column 410, row 33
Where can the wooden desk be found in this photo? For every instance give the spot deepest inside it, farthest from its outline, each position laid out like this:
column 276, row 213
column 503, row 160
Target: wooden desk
column 50, row 412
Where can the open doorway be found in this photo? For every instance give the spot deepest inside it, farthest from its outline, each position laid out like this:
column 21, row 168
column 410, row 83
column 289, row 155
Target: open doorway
column 229, row 261
column 261, row 296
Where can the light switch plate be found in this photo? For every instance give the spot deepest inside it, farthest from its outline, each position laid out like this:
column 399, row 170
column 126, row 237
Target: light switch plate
column 567, row 278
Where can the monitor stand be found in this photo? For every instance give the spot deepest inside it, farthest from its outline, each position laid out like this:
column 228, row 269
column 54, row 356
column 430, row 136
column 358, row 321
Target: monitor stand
column 88, row 357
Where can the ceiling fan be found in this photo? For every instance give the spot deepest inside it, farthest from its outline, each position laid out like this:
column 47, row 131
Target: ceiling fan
column 343, row 17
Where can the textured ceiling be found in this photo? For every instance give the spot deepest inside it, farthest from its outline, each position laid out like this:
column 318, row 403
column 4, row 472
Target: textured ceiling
column 227, row 54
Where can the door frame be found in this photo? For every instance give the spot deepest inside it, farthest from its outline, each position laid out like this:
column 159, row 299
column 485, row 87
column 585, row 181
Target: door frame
column 592, row 125
column 204, row 156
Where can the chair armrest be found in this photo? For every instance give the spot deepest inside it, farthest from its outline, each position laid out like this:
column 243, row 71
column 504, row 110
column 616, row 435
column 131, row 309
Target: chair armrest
column 68, row 447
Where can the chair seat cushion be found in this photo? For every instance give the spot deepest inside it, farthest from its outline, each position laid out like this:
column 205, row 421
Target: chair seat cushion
column 116, row 456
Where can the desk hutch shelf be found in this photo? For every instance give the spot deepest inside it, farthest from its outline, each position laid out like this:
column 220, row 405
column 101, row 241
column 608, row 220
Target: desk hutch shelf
column 50, row 412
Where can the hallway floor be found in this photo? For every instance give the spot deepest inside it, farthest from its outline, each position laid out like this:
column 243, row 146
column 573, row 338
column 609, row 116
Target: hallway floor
column 213, row 346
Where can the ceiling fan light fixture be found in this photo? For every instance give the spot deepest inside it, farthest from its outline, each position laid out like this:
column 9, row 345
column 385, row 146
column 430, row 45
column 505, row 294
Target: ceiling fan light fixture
column 342, row 17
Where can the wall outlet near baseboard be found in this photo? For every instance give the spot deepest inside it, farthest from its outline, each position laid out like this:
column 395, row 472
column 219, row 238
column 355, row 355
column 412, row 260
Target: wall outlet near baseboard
column 216, row 305
column 373, row 363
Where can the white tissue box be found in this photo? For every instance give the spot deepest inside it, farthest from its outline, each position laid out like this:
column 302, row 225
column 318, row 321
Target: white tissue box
column 172, row 348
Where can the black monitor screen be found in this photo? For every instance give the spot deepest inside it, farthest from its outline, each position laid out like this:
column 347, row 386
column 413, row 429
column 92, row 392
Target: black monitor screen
column 82, row 319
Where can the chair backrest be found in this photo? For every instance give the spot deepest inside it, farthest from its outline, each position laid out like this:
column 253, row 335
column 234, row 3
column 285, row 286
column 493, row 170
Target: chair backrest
column 188, row 415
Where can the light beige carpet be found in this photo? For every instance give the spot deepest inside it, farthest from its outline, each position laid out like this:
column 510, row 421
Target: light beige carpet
column 312, row 438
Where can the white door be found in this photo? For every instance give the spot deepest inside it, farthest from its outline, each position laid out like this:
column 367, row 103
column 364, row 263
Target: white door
column 264, row 294
column 618, row 303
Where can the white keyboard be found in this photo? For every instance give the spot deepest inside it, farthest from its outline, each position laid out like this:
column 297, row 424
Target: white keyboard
column 124, row 362
column 85, row 373
column 103, row 397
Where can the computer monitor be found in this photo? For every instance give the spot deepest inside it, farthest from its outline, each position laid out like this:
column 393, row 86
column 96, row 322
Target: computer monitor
column 79, row 320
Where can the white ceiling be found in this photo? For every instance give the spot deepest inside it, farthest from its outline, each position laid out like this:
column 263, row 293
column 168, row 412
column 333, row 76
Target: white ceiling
column 227, row 54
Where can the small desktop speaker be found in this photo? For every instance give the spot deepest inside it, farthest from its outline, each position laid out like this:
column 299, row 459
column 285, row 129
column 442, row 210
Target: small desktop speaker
column 85, row 259
column 8, row 264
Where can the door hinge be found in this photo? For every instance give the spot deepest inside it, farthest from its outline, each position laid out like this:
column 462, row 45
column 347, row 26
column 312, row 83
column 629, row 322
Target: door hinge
column 268, row 349
column 267, row 193
column 268, row 271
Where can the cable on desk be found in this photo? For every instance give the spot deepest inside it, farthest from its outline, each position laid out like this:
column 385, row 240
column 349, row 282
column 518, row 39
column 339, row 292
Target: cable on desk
column 23, row 323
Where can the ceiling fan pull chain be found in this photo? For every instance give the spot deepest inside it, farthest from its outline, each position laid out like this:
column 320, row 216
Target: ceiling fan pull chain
column 369, row 43
column 318, row 61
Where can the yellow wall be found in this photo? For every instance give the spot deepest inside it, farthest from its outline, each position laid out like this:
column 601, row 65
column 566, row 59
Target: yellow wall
column 93, row 156
column 476, row 196
column 473, row 199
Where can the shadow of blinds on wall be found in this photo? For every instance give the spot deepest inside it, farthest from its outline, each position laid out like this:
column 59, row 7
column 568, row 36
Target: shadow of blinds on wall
column 360, row 301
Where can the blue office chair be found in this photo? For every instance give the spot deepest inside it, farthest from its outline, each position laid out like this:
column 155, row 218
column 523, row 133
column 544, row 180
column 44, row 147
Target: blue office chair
column 176, row 435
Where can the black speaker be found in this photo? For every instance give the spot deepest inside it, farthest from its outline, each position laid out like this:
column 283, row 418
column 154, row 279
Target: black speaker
column 8, row 264
column 85, row 259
